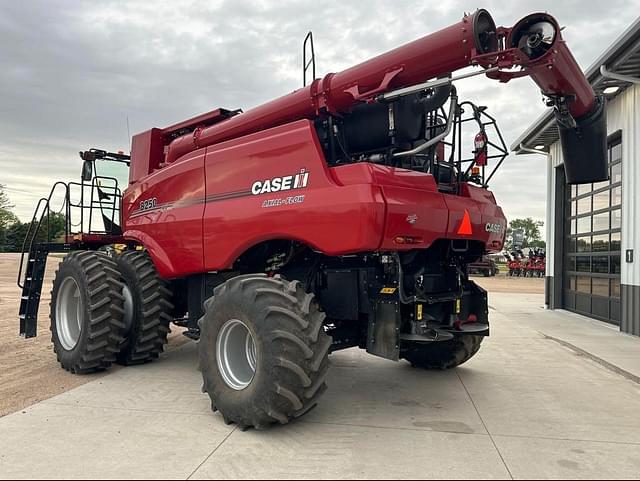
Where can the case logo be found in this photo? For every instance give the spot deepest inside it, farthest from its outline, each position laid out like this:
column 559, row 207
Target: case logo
column 281, row 184
column 494, row 228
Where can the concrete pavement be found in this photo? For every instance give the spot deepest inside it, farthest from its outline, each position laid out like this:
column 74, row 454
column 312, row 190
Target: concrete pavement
column 526, row 407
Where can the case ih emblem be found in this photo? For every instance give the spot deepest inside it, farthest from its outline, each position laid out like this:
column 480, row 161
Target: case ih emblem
column 493, row 228
column 280, row 184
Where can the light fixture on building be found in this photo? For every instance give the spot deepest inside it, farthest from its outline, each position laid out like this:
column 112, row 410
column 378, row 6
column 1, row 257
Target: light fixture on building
column 611, row 90
column 539, row 147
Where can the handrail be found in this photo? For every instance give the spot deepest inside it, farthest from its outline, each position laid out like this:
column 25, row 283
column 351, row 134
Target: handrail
column 36, row 230
column 308, row 40
column 437, row 138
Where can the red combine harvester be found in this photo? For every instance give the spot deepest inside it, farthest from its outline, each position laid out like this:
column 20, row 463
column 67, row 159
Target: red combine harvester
column 341, row 215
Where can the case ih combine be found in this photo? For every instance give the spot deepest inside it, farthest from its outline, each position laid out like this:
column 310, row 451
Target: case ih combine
column 341, row 215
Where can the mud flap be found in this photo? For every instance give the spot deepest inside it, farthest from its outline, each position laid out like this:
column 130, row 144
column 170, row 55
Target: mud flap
column 476, row 302
column 383, row 339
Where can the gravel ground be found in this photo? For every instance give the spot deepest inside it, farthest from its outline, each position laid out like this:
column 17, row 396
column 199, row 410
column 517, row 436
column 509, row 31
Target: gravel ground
column 30, row 372
column 503, row 283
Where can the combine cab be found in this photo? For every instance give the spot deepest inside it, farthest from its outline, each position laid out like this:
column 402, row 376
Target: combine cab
column 342, row 215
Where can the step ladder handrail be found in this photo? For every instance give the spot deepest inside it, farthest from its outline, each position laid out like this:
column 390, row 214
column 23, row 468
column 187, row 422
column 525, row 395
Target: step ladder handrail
column 34, row 226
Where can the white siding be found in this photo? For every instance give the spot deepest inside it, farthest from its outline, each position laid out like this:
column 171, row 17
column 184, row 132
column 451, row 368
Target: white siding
column 625, row 115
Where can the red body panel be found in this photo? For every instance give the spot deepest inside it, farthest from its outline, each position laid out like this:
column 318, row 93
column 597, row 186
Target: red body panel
column 332, row 219
column 205, row 210
column 171, row 227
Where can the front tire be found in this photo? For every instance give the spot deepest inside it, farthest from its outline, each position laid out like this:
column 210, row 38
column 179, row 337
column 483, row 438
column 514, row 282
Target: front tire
column 445, row 354
column 87, row 310
column 263, row 351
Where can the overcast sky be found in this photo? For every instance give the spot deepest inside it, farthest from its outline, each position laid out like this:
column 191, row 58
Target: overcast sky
column 72, row 72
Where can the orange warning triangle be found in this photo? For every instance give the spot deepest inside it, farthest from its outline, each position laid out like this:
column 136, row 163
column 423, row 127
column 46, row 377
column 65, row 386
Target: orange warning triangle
column 465, row 226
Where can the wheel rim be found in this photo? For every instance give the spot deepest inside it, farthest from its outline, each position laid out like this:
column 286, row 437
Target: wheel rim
column 236, row 354
column 69, row 313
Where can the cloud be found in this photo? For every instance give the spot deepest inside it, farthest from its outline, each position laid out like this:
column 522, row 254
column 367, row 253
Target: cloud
column 74, row 72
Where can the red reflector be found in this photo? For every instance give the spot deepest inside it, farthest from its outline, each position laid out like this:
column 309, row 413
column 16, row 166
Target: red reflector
column 465, row 226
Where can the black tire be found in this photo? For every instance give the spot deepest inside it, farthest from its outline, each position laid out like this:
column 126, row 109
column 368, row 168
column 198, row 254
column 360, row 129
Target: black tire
column 487, row 272
column 291, row 348
column 446, row 354
column 100, row 315
column 150, row 312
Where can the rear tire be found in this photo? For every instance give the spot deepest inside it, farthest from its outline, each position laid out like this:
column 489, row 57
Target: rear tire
column 87, row 311
column 148, row 309
column 278, row 368
column 446, row 354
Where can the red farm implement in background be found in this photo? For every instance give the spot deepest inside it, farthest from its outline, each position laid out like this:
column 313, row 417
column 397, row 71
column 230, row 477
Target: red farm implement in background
column 531, row 265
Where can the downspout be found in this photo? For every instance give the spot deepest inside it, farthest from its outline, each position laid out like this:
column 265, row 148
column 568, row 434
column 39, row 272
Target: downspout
column 616, row 76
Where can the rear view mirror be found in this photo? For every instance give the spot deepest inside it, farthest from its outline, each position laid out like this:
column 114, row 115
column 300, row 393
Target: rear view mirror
column 87, row 171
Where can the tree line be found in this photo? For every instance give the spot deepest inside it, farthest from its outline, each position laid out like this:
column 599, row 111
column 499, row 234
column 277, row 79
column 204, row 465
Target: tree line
column 530, row 229
column 13, row 231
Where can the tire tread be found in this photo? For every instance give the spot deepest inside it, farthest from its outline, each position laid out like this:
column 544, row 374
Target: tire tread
column 102, row 286
column 295, row 328
column 150, row 331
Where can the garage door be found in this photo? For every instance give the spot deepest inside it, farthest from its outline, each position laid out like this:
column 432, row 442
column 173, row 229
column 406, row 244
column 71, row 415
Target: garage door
column 591, row 281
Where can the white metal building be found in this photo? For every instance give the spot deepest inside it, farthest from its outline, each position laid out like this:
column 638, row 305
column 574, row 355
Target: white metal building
column 593, row 231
